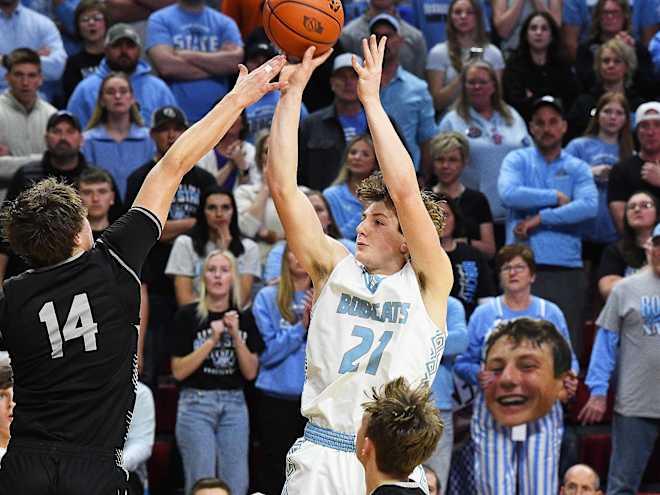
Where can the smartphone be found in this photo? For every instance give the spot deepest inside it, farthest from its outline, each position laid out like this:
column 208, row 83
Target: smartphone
column 476, row 53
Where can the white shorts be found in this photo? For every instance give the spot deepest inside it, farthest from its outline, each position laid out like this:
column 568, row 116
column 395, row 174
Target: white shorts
column 323, row 462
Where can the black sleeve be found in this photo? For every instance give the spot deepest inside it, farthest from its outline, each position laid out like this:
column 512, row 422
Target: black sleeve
column 70, row 78
column 254, row 341
column 486, row 283
column 616, row 185
column 131, row 238
column 514, row 88
column 579, row 115
column 645, row 81
column 206, row 179
column 185, row 322
column 611, row 262
column 484, row 215
column 584, row 66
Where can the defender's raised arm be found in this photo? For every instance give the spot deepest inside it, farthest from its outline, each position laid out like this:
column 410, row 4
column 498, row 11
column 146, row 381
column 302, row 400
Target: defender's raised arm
column 160, row 185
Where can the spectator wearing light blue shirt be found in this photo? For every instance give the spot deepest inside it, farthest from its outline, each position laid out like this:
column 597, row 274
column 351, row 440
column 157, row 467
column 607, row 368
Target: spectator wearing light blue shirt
column 606, row 141
column 122, row 53
column 443, row 388
column 493, row 129
column 359, row 163
column 405, row 97
column 548, row 193
column 116, row 139
column 194, row 48
column 21, row 27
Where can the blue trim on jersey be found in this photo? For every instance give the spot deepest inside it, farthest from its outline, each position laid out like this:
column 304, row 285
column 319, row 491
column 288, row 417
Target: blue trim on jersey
column 371, row 281
column 344, row 442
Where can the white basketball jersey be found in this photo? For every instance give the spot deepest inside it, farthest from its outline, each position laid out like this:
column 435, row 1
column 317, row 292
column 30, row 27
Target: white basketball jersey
column 365, row 331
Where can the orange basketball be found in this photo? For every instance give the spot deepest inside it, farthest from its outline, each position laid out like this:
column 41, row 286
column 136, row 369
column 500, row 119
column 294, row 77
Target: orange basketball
column 295, row 25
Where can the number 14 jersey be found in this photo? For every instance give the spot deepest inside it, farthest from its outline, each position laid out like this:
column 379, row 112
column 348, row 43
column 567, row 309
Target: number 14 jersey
column 365, row 331
column 71, row 332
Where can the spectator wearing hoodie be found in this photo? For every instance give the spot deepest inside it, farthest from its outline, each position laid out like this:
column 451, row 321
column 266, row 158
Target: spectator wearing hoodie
column 122, row 53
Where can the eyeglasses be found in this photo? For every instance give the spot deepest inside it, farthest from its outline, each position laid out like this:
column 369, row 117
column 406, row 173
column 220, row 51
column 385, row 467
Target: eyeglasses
column 513, row 268
column 91, row 18
column 642, row 205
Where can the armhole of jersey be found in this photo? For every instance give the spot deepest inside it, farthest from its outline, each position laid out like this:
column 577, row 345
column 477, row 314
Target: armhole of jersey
column 150, row 215
column 120, row 261
column 327, row 282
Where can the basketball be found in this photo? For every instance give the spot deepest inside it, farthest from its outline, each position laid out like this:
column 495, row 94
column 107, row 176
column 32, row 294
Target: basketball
column 295, row 25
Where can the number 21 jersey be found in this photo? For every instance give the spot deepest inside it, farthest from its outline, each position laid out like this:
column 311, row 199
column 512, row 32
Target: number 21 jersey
column 365, row 331
column 71, row 332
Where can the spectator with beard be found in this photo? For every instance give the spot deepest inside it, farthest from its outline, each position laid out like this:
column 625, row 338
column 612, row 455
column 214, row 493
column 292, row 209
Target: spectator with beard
column 62, row 160
column 122, row 53
column 23, row 113
column 195, row 49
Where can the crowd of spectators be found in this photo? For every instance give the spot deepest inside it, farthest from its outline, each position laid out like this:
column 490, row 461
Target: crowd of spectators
column 538, row 123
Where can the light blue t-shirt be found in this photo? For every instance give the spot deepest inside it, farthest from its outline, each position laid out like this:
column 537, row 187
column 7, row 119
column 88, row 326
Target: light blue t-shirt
column 205, row 31
column 353, row 125
column 345, row 208
column 595, row 152
column 490, row 141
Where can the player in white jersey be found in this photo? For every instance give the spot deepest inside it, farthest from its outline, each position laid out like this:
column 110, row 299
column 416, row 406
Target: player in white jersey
column 378, row 315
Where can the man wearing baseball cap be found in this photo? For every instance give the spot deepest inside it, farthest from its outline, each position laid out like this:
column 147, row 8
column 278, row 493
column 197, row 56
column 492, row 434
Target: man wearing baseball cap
column 324, row 133
column 628, row 340
column 641, row 171
column 122, row 54
column 167, row 124
column 547, row 193
column 413, row 49
column 62, row 160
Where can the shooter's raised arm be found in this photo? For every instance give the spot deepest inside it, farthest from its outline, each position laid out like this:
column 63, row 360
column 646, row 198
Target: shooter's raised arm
column 160, row 185
column 428, row 258
column 317, row 252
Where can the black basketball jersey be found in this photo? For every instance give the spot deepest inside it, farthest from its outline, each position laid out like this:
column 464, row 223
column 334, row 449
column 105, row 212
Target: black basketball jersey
column 71, row 331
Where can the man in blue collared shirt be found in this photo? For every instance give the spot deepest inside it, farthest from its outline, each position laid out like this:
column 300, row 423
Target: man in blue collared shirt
column 21, row 27
column 547, row 193
column 405, row 97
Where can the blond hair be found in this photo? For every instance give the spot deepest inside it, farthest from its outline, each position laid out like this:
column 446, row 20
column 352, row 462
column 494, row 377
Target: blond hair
column 624, row 51
column 235, row 294
column 445, row 142
column 373, row 189
column 462, row 105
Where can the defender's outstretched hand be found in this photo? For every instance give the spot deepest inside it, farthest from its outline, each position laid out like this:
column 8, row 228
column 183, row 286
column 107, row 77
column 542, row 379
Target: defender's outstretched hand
column 250, row 87
column 370, row 72
column 296, row 76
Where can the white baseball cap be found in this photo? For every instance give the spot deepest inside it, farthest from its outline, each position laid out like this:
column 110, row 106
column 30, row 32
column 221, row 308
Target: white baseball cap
column 647, row 111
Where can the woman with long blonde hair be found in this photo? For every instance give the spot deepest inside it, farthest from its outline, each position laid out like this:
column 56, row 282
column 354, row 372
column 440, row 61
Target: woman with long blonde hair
column 358, row 163
column 116, row 139
column 215, row 351
column 282, row 315
column 466, row 40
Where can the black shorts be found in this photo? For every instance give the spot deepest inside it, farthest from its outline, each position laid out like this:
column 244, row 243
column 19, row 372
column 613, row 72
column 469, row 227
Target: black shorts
column 35, row 468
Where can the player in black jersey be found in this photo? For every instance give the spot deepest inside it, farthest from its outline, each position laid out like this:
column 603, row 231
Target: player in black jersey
column 70, row 325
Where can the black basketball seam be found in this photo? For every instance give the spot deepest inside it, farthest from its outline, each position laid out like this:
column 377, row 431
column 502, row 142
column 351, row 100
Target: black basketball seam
column 274, row 14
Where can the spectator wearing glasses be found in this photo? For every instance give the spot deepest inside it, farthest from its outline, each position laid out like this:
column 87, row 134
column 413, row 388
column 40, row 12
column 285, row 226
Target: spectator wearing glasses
column 641, row 171
column 493, row 129
column 626, row 256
